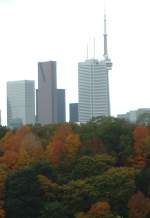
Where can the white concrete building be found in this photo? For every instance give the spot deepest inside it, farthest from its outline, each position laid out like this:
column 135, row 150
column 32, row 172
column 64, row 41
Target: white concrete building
column 93, row 85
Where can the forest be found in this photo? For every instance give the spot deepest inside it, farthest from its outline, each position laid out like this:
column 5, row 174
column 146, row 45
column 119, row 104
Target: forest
column 100, row 169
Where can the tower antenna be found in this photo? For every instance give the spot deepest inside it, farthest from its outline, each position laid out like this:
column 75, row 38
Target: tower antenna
column 94, row 46
column 87, row 51
column 105, row 34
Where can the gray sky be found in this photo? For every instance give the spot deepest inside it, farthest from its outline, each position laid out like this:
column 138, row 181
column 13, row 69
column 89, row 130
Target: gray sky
column 42, row 30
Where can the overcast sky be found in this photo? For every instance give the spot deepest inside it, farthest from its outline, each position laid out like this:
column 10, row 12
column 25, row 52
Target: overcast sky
column 42, row 30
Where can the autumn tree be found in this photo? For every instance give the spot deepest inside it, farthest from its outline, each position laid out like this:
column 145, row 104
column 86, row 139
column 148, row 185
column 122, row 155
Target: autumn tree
column 64, row 145
column 139, row 157
column 11, row 144
column 139, row 206
column 44, row 133
column 4, row 172
column 2, row 213
column 31, row 151
column 100, row 209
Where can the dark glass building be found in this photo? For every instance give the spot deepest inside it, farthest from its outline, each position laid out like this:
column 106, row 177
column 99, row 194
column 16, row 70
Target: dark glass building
column 61, row 106
column 73, row 111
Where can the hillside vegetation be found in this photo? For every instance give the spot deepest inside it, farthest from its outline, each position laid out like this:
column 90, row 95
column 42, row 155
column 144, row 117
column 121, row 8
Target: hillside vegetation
column 96, row 170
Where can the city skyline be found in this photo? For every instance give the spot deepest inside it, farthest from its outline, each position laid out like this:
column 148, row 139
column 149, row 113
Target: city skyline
column 33, row 31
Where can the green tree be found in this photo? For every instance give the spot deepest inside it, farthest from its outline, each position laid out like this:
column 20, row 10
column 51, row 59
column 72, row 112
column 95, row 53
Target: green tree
column 3, row 131
column 23, row 193
column 107, row 134
column 115, row 186
column 87, row 166
column 142, row 181
column 78, row 196
column 54, row 210
column 116, row 134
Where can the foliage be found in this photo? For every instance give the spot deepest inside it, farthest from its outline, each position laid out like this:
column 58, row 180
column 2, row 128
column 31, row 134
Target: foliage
column 45, row 133
column 139, row 206
column 3, row 131
column 88, row 166
column 142, row 181
column 54, row 209
column 141, row 139
column 105, row 185
column 64, row 146
column 100, row 209
column 11, row 144
column 23, row 193
column 78, row 195
column 92, row 170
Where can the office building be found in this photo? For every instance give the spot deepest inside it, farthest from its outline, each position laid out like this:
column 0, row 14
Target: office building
column 20, row 103
column 61, row 106
column 93, row 83
column 141, row 115
column 47, row 93
column 73, row 112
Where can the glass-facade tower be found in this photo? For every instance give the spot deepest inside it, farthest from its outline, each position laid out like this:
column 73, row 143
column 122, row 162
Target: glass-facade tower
column 20, row 102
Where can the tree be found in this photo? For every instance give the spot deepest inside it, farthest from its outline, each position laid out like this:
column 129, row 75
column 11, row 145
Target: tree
column 100, row 209
column 123, row 179
column 139, row 206
column 23, row 197
column 2, row 213
column 54, row 209
column 138, row 159
column 78, row 196
column 64, row 146
column 3, row 131
column 142, row 181
column 91, row 143
column 87, row 166
column 115, row 135
column 30, row 151
column 11, row 144
column 44, row 133
column 81, row 215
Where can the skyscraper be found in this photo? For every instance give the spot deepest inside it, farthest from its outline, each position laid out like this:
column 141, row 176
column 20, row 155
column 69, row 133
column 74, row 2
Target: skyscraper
column 47, row 94
column 61, row 106
column 20, row 102
column 73, row 112
column 94, row 85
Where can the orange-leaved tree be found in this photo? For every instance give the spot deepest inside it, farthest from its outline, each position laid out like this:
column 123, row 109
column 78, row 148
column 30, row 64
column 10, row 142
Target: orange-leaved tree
column 138, row 158
column 11, row 144
column 31, row 150
column 139, row 206
column 100, row 209
column 64, row 145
